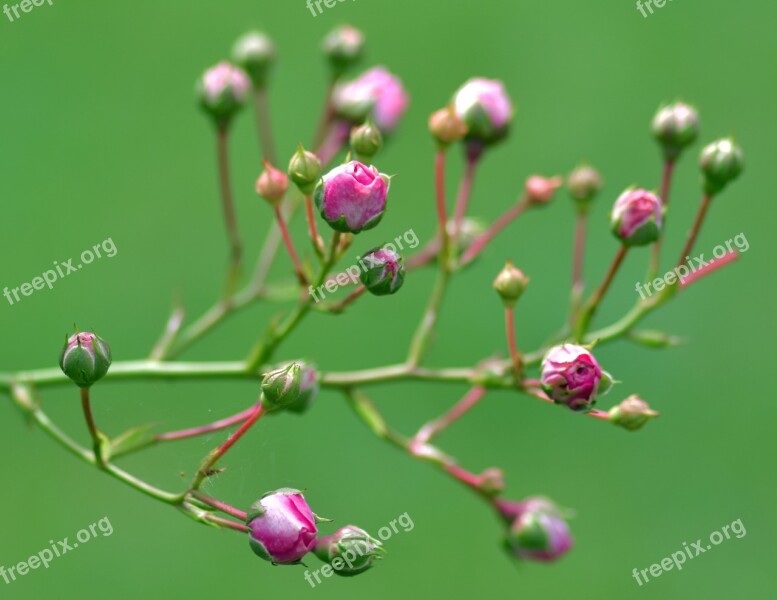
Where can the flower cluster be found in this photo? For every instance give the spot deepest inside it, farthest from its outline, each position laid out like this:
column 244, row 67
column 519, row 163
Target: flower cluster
column 341, row 199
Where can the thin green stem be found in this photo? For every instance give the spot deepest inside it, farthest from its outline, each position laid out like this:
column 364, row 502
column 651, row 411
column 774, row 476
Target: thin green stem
column 97, row 438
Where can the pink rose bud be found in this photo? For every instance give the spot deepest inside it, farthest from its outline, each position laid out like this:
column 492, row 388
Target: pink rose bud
column 540, row 190
column 571, row 376
column 272, row 184
column 223, row 90
column 283, row 528
column 352, row 197
column 637, row 217
column 538, row 531
column 485, row 107
column 343, row 46
column 377, row 94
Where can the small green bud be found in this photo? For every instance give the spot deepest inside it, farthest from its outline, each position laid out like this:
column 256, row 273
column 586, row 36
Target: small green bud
column 584, row 184
column 85, row 358
column 721, row 162
column 675, row 127
column 350, row 550
column 366, row 141
column 305, row 170
column 631, row 414
column 343, row 47
column 281, row 387
column 510, row 284
column 255, row 53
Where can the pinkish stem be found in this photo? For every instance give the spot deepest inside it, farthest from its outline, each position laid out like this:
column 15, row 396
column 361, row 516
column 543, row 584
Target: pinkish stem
column 334, row 141
column 465, row 191
column 431, row 429
column 203, row 429
column 711, row 267
column 695, row 229
column 495, row 229
column 666, row 182
column 219, row 505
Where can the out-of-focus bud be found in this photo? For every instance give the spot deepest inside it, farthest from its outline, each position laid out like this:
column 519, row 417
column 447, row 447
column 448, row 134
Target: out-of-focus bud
column 540, row 190
column 631, row 414
column 308, row 389
column 584, row 184
column 377, row 94
column 222, row 91
column 366, row 141
column 539, row 531
column 283, row 528
column 281, row 387
column 272, row 184
column 510, row 284
column 486, row 109
column 721, row 162
column 383, row 272
column 446, row 126
column 85, row 358
column 305, row 170
column 654, row 339
column 637, row 217
column 255, row 54
column 350, row 550
column 343, row 46
column 675, row 127
column 571, row 376
column 352, row 197
column 471, row 228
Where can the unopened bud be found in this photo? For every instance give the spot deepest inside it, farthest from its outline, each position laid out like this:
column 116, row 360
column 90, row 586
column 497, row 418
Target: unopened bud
column 305, row 170
column 540, row 190
column 721, row 162
column 446, row 126
column 281, row 387
column 539, row 531
column 631, row 414
column 675, row 127
column 272, row 184
column 384, row 271
column 255, row 54
column 343, row 47
column 510, row 284
column 350, row 550
column 584, row 184
column 308, row 389
column 85, row 358
column 637, row 217
column 222, row 91
column 366, row 141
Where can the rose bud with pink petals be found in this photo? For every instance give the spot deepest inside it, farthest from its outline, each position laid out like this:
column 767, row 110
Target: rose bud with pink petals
column 571, row 376
column 538, row 530
column 384, row 273
column 540, row 190
column 223, row 90
column 637, row 217
column 352, row 197
column 283, row 528
column 485, row 107
column 378, row 94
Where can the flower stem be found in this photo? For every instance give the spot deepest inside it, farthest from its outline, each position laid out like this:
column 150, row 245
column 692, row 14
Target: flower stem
column 290, row 246
column 228, row 208
column 318, row 243
column 592, row 305
column 420, row 344
column 97, row 444
column 666, row 182
column 462, row 407
column 578, row 262
column 227, row 509
column 495, row 229
column 263, row 127
column 465, row 190
column 695, row 229
column 203, row 429
column 442, row 211
column 515, row 356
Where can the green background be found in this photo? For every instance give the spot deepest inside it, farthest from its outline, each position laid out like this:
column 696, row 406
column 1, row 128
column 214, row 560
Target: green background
column 101, row 138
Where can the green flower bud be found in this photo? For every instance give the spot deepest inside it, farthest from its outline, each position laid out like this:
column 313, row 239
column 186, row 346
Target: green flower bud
column 85, row 358
column 343, row 47
column 305, row 170
column 308, row 389
column 350, row 550
column 631, row 414
column 281, row 387
column 255, row 53
column 384, row 273
column 675, row 127
column 721, row 163
column 584, row 184
column 510, row 284
column 366, row 141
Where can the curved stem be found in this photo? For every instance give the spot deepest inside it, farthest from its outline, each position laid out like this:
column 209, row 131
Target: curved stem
column 290, row 245
column 593, row 304
column 203, row 429
column 695, row 229
column 318, row 243
column 97, row 445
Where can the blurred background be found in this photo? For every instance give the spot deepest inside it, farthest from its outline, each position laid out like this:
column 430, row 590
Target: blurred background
column 102, row 138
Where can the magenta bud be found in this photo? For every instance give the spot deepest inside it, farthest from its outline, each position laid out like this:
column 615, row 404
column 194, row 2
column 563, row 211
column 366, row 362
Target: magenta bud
column 283, row 528
column 350, row 550
column 384, row 273
column 486, row 109
column 352, row 197
column 538, row 531
column 571, row 376
column 632, row 413
column 222, row 91
column 85, row 358
column 675, row 127
column 377, row 94
column 637, row 217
